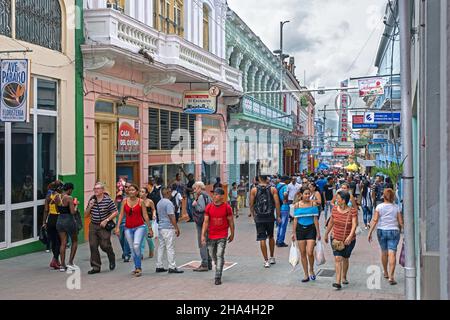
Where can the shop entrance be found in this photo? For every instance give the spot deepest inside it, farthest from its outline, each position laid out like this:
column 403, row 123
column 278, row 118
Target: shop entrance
column 130, row 171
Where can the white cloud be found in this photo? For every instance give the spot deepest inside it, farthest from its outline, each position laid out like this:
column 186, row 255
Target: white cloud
column 326, row 37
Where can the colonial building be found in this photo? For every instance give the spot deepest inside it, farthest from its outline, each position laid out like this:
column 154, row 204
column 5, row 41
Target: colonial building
column 261, row 122
column 34, row 153
column 140, row 56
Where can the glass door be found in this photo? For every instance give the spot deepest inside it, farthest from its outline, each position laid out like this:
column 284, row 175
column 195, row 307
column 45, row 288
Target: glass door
column 2, row 186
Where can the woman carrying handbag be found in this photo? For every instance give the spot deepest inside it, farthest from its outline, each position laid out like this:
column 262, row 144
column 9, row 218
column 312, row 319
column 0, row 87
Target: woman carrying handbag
column 342, row 224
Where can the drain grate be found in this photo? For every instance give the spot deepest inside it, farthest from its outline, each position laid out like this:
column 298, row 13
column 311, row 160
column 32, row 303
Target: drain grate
column 326, row 273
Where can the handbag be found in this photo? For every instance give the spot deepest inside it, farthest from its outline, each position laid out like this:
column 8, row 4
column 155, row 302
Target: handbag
column 110, row 225
column 338, row 245
column 78, row 221
column 43, row 236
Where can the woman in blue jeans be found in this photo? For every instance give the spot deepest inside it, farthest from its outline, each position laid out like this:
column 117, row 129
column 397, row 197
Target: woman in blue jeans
column 366, row 204
column 135, row 225
column 390, row 223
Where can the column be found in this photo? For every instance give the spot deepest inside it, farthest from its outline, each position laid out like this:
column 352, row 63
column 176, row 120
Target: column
column 187, row 19
column 236, row 58
column 245, row 66
column 251, row 77
column 258, row 77
column 198, row 157
column 140, row 10
column 143, row 157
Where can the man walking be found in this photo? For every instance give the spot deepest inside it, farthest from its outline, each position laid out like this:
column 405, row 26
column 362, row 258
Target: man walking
column 283, row 195
column 263, row 202
column 242, row 195
column 218, row 218
column 167, row 230
column 189, row 194
column 202, row 199
column 102, row 210
column 292, row 190
column 378, row 190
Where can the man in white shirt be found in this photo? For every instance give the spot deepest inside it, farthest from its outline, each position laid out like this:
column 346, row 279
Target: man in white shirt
column 292, row 190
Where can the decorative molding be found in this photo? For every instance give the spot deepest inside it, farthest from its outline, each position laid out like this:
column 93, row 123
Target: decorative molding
column 93, row 63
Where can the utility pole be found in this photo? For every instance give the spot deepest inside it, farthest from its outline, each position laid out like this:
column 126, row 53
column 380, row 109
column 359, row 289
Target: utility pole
column 408, row 173
column 282, row 57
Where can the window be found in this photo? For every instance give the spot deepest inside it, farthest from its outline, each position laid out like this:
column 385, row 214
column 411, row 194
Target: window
column 205, row 28
column 5, row 18
column 104, row 107
column 22, row 224
column 116, row 4
column 46, row 139
column 163, row 123
column 168, row 16
column 2, row 226
column 46, row 94
column 39, row 22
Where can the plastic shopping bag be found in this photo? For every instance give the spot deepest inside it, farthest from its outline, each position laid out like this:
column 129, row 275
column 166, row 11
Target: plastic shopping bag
column 319, row 254
column 293, row 255
column 155, row 229
column 291, row 210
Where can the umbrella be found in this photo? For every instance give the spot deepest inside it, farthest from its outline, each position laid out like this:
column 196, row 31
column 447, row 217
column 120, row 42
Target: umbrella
column 352, row 167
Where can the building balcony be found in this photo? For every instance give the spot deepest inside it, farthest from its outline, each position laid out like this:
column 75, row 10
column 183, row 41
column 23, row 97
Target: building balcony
column 113, row 37
column 256, row 111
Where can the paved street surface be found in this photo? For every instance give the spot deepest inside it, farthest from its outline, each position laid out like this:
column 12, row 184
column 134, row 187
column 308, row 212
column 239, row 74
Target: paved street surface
column 28, row 277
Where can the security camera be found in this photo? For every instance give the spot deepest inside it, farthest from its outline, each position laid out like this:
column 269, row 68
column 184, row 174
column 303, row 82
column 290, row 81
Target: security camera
column 146, row 54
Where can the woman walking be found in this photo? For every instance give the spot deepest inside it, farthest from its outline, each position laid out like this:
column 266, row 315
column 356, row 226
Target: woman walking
column 135, row 229
column 367, row 204
column 390, row 223
column 151, row 211
column 306, row 231
column 67, row 226
column 50, row 219
column 233, row 195
column 342, row 225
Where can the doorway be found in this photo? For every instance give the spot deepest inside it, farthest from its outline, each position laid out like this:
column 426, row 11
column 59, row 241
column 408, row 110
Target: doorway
column 105, row 160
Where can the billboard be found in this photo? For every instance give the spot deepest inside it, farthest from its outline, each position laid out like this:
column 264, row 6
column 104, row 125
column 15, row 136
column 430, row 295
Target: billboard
column 371, row 87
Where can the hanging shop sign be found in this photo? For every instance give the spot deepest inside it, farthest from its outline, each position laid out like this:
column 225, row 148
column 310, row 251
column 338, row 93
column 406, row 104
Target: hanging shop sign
column 375, row 148
column 358, row 123
column 342, row 103
column 342, row 152
column 128, row 136
column 361, row 143
column 371, row 87
column 380, row 138
column 14, row 90
column 382, row 117
column 201, row 102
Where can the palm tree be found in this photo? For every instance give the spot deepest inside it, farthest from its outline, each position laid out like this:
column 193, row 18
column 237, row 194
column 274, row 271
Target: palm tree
column 394, row 171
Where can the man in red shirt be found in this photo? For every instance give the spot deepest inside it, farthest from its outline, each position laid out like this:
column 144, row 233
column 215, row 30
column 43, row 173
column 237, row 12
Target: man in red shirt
column 218, row 218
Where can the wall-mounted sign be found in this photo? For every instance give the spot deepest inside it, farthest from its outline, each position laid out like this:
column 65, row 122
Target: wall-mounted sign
column 342, row 152
column 128, row 136
column 361, row 143
column 380, row 138
column 371, row 87
column 382, row 117
column 14, row 89
column 375, row 148
column 201, row 102
column 326, row 154
column 343, row 102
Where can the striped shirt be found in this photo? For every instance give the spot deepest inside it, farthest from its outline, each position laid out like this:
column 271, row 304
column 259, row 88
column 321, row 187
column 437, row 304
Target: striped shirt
column 102, row 210
column 340, row 232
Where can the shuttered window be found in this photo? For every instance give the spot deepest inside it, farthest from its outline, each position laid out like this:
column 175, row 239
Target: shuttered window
column 153, row 137
column 165, row 129
column 192, row 130
column 174, row 125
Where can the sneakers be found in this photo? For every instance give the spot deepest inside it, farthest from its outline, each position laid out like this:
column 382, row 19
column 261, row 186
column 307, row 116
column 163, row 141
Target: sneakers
column 112, row 265
column 201, row 269
column 72, row 267
column 93, row 271
column 175, row 271
column 282, row 245
column 160, row 270
column 218, row 282
column 266, row 264
column 47, row 251
column 62, row 269
column 272, row 260
column 138, row 273
column 54, row 264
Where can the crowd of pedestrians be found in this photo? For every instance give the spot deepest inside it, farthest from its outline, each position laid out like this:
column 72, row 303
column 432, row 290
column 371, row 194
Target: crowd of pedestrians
column 139, row 215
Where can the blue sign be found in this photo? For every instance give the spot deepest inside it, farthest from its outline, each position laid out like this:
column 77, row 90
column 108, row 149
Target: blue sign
column 365, row 125
column 379, row 141
column 382, row 117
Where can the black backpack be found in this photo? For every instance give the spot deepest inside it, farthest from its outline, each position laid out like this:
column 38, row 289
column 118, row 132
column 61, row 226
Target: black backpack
column 156, row 196
column 200, row 216
column 264, row 202
column 173, row 199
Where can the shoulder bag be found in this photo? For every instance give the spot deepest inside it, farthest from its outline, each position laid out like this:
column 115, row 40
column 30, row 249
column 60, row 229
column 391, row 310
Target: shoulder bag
column 339, row 245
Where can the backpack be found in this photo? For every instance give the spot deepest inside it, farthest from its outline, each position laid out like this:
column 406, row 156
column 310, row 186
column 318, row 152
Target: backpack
column 199, row 217
column 264, row 204
column 156, row 196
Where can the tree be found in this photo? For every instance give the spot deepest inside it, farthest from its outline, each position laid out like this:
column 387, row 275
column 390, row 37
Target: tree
column 394, row 171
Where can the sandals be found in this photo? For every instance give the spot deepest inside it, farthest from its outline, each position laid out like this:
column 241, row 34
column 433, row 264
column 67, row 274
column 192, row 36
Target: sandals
column 392, row 282
column 305, row 280
column 345, row 282
column 337, row 286
column 313, row 277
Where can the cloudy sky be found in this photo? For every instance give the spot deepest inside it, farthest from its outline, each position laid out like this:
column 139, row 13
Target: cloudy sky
column 331, row 40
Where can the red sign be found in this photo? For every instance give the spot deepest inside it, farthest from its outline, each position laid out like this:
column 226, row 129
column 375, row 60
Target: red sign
column 128, row 136
column 358, row 119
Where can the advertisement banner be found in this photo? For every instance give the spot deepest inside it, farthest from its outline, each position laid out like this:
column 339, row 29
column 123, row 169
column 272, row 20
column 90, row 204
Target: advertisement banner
column 380, row 138
column 342, row 152
column 14, row 90
column 371, row 87
column 375, row 148
column 382, row 117
column 201, row 102
column 128, row 136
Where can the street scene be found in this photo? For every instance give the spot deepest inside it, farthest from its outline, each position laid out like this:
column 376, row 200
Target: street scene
column 224, row 150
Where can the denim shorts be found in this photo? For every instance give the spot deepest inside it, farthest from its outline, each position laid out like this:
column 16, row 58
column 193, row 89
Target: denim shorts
column 388, row 239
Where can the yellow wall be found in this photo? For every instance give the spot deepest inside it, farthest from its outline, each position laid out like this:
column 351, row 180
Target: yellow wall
column 58, row 66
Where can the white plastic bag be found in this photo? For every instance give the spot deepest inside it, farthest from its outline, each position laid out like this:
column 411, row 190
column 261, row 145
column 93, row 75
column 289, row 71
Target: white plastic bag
column 291, row 210
column 155, row 229
column 319, row 254
column 293, row 255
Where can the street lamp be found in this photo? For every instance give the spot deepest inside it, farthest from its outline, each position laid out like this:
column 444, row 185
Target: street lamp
column 282, row 57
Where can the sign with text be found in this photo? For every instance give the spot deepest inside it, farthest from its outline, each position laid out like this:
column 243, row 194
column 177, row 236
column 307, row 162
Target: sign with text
column 128, row 136
column 201, row 102
column 342, row 152
column 358, row 123
column 382, row 117
column 380, row 138
column 371, row 87
column 14, row 90
column 375, row 148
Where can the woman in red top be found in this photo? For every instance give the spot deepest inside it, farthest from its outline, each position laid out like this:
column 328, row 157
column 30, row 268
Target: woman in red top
column 135, row 230
column 343, row 222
